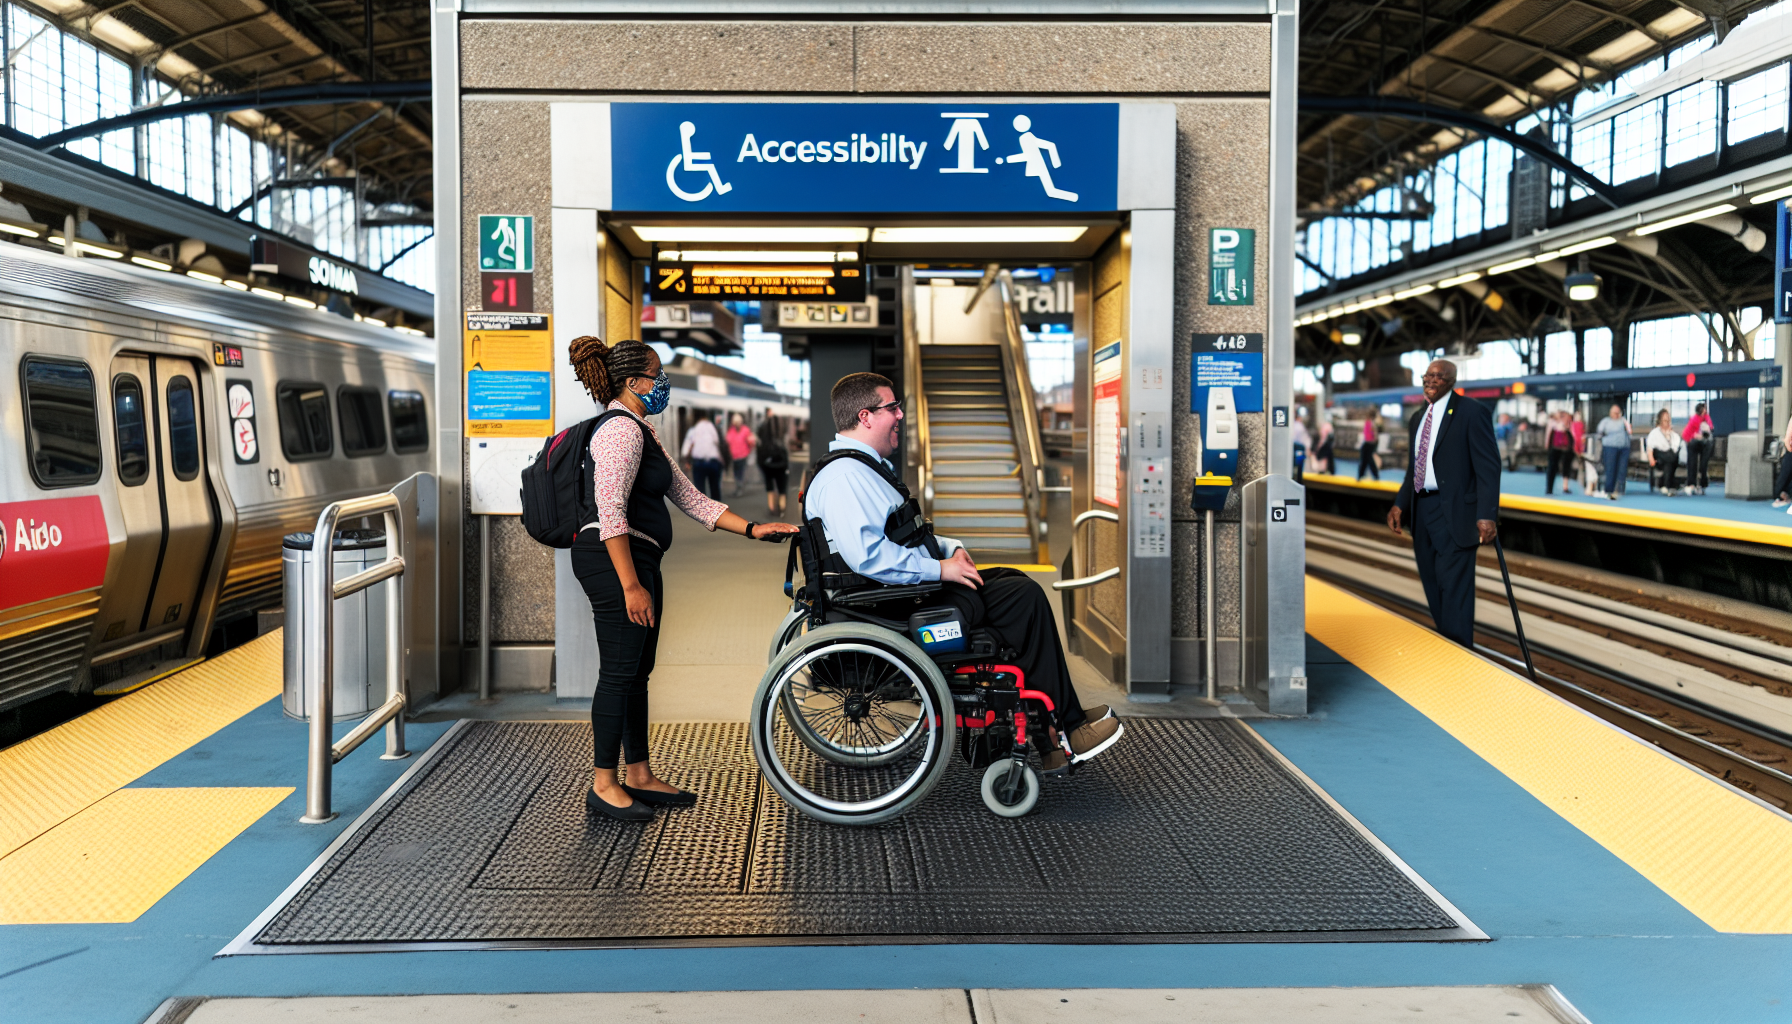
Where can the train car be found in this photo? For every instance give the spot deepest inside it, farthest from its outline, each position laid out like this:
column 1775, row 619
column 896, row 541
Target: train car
column 160, row 435
column 752, row 398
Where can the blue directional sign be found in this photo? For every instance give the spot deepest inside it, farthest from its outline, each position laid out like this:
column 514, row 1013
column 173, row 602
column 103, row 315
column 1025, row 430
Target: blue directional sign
column 1782, row 265
column 850, row 157
column 1227, row 361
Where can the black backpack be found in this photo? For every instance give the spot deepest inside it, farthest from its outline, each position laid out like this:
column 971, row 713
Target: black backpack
column 557, row 486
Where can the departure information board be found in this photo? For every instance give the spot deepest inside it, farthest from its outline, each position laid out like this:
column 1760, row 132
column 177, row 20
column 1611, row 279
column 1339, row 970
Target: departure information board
column 751, row 281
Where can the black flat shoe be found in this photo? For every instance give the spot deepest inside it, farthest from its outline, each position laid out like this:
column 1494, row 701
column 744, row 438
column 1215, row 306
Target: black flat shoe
column 637, row 811
column 682, row 798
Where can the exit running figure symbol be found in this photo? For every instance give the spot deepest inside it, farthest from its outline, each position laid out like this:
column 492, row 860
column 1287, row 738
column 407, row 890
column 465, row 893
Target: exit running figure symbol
column 1032, row 151
column 967, row 137
column 689, row 158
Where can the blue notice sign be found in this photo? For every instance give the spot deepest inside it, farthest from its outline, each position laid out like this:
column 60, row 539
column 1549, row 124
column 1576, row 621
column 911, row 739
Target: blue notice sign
column 1782, row 265
column 509, row 395
column 1228, row 361
column 853, row 157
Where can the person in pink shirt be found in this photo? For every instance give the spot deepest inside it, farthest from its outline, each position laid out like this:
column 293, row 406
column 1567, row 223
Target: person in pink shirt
column 740, row 449
column 1699, row 442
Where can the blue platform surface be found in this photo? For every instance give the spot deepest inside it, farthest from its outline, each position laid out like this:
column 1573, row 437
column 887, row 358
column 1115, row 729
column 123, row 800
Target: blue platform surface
column 1559, row 908
column 1712, row 504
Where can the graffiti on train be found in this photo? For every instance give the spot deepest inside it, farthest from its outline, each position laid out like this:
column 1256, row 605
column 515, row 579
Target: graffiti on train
column 52, row 547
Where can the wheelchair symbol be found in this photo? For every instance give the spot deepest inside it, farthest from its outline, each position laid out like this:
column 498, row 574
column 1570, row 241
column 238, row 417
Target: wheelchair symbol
column 689, row 159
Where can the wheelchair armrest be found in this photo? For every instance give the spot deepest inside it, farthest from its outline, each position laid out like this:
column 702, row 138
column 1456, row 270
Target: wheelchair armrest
column 853, row 589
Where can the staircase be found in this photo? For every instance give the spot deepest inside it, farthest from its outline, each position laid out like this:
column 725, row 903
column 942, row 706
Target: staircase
column 977, row 493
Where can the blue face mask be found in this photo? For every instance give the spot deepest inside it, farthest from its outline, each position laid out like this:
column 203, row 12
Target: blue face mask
column 655, row 401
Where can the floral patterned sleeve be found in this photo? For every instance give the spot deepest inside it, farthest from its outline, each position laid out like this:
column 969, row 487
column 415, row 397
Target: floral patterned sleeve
column 687, row 497
column 616, row 454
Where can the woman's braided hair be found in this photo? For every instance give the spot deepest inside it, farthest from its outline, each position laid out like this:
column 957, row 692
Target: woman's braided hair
column 604, row 369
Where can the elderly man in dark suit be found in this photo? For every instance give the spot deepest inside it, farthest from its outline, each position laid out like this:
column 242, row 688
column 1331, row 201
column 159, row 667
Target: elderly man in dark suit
column 1451, row 497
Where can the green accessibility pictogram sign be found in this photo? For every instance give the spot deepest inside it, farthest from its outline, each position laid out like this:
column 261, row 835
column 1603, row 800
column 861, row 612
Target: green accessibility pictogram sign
column 1231, row 266
column 507, row 242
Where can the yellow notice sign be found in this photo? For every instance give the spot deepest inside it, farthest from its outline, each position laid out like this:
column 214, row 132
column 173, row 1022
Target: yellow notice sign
column 509, row 359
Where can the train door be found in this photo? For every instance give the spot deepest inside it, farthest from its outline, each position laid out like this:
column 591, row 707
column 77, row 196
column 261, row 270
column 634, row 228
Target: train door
column 164, row 496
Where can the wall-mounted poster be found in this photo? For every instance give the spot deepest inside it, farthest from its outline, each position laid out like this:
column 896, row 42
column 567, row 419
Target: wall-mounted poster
column 1104, row 429
column 509, row 358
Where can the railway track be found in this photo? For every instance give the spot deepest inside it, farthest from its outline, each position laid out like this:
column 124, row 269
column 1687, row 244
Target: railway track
column 1705, row 679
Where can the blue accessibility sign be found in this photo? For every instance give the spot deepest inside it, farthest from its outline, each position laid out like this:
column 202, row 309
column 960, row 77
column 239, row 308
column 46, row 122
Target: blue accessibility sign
column 852, row 157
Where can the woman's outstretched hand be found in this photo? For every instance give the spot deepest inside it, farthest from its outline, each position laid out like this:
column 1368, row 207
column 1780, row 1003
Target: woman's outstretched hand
column 773, row 532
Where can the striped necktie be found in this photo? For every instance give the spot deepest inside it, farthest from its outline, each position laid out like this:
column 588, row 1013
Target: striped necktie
column 1418, row 480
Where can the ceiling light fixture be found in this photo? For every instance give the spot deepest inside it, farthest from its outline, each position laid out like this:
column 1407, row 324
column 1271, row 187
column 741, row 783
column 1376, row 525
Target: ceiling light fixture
column 713, row 233
column 756, row 256
column 145, row 261
column 1511, row 265
column 16, row 228
column 970, row 235
column 268, row 293
column 1687, row 218
column 1451, row 282
column 1350, row 334
column 238, row 285
column 1588, row 246
column 295, row 300
column 1583, row 286
column 1767, row 197
column 200, row 275
column 1423, row 289
column 374, row 322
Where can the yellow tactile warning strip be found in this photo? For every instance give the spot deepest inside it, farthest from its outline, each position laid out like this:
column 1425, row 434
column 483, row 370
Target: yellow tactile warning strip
column 51, row 777
column 1674, row 522
column 115, row 859
column 1718, row 853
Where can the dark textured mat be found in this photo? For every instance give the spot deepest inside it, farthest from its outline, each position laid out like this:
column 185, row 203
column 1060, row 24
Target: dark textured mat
column 1185, row 831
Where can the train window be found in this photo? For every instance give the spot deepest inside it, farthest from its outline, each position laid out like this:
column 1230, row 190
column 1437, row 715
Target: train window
column 363, row 421
column 410, row 422
column 62, row 421
column 304, row 420
column 131, row 429
column 183, row 428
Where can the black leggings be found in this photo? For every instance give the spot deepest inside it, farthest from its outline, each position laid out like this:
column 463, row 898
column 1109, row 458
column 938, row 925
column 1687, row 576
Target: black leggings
column 626, row 650
column 1561, row 463
column 1366, row 460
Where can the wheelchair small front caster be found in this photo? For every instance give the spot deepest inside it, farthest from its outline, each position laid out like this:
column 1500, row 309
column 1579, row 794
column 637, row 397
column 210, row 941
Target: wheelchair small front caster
column 1010, row 789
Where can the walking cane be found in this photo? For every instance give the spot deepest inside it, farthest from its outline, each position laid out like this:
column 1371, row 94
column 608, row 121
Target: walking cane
column 1523, row 647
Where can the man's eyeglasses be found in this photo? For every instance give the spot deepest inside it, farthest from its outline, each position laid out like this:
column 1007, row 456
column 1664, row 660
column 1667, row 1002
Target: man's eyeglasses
column 895, row 406
column 1434, row 376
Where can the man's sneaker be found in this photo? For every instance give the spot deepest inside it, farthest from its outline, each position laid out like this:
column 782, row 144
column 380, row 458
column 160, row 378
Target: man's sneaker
column 1091, row 738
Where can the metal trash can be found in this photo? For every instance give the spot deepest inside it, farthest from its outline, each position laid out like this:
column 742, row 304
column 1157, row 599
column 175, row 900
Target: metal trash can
column 360, row 640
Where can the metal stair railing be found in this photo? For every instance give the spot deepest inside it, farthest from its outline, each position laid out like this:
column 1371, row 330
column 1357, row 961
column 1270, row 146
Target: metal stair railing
column 321, row 593
column 1025, row 414
column 918, row 459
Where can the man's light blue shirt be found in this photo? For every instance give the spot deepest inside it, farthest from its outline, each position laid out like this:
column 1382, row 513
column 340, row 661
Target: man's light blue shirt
column 853, row 503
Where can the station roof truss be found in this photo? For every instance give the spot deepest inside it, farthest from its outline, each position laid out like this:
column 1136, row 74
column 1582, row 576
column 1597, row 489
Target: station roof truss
column 1369, row 71
column 345, row 80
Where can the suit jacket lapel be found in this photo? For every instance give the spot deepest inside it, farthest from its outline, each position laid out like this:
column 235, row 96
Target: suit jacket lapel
column 1448, row 418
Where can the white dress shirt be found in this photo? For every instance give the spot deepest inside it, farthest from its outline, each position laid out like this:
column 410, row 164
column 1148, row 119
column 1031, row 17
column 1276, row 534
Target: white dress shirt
column 853, row 503
column 1437, row 412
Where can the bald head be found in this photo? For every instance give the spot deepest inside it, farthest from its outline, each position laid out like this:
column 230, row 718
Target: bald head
column 1439, row 379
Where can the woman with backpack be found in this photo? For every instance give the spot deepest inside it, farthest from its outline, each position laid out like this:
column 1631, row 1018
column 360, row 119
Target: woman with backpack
column 774, row 463
column 617, row 560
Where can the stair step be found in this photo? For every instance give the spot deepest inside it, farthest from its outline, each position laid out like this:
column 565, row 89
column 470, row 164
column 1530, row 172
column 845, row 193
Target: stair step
column 1003, row 544
column 941, row 417
column 944, row 451
column 975, row 485
column 947, row 432
column 975, row 467
column 951, row 523
column 945, row 503
column 967, row 402
column 962, row 390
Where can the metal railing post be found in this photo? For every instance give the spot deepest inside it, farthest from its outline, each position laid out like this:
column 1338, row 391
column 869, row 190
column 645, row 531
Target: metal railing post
column 319, row 646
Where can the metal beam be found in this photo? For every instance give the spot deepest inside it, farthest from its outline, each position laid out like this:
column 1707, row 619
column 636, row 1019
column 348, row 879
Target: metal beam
column 286, row 96
column 1413, row 110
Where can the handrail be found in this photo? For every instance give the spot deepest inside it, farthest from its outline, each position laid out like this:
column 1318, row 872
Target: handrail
column 1104, row 575
column 1023, row 410
column 914, row 389
column 319, row 597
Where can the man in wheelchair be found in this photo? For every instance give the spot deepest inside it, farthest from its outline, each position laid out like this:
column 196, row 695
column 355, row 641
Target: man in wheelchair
column 871, row 527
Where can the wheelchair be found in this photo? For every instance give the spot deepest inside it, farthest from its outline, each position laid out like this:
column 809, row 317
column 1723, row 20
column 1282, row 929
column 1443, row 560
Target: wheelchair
column 859, row 711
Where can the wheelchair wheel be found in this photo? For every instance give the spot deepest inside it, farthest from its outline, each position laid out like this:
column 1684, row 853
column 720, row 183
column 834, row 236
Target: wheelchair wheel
column 1010, row 789
column 877, row 708
column 792, row 627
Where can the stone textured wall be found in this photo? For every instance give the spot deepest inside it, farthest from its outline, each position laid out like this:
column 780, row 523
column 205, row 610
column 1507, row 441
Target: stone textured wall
column 1217, row 73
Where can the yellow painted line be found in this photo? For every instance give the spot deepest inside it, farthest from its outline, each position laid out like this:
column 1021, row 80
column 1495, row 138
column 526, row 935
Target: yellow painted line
column 1719, row 854
column 54, row 775
column 115, row 859
column 1675, row 522
column 1016, row 565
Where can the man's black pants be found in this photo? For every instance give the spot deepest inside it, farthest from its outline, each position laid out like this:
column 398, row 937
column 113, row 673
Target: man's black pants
column 1018, row 611
column 1447, row 571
